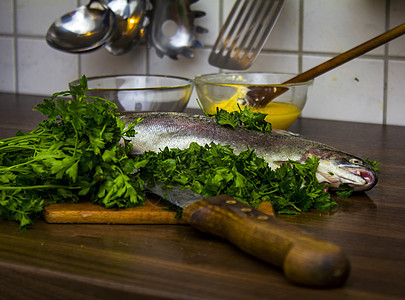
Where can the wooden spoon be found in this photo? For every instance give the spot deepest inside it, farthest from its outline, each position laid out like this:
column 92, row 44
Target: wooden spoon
column 257, row 97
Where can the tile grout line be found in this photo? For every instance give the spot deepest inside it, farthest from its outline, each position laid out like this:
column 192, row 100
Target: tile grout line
column 221, row 15
column 15, row 58
column 79, row 57
column 300, row 38
column 79, row 66
column 330, row 54
column 147, row 58
column 300, row 35
column 221, row 23
column 386, row 60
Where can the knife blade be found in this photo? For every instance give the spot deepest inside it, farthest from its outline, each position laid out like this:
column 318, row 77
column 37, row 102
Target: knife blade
column 304, row 259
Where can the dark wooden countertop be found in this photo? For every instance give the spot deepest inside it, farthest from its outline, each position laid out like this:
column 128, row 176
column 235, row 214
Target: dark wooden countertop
column 178, row 262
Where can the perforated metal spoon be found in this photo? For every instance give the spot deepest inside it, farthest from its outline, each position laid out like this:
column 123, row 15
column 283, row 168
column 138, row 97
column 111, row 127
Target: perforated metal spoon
column 172, row 30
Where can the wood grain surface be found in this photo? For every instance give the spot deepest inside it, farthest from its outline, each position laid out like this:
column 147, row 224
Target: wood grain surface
column 153, row 212
column 92, row 261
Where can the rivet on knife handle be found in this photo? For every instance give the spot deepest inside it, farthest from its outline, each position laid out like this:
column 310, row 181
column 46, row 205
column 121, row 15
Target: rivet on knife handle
column 305, row 260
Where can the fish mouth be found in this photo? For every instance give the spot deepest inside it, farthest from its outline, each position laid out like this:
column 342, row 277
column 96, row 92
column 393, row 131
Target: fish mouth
column 369, row 178
column 336, row 168
column 360, row 179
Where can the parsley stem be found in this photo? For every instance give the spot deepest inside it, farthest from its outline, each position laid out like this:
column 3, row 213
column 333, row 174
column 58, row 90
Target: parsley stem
column 12, row 148
column 19, row 139
column 199, row 104
column 32, row 187
column 76, row 139
column 19, row 165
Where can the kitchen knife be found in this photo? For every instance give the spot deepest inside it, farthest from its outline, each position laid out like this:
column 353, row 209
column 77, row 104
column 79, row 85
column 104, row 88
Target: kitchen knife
column 305, row 260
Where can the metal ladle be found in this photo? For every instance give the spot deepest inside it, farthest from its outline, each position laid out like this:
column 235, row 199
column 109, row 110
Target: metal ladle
column 84, row 29
column 131, row 21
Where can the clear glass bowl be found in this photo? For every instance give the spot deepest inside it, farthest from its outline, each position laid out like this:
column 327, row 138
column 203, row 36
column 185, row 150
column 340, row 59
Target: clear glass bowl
column 142, row 92
column 227, row 90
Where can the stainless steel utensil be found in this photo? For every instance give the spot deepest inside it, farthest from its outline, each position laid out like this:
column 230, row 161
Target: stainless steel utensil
column 131, row 22
column 84, row 29
column 244, row 33
column 172, row 31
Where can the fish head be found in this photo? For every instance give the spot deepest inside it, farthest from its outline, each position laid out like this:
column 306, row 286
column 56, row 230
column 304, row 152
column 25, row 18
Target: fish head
column 336, row 168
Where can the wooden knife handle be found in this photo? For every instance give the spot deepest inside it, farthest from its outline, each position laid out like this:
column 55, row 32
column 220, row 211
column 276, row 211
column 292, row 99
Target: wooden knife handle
column 305, row 260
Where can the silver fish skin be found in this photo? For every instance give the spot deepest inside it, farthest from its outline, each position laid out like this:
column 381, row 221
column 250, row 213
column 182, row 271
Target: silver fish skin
column 177, row 130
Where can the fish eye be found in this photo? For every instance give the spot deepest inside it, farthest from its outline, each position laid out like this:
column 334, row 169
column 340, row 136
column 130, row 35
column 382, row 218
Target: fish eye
column 355, row 161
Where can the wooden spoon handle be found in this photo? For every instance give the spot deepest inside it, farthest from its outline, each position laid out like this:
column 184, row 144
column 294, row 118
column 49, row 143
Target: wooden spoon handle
column 349, row 55
column 328, row 65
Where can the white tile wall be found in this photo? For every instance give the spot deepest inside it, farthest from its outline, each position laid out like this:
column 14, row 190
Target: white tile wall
column 42, row 70
column 35, row 16
column 397, row 17
column 276, row 62
column 352, row 92
column 133, row 62
column 7, row 77
column 284, row 35
column 369, row 89
column 6, row 20
column 336, row 26
column 396, row 93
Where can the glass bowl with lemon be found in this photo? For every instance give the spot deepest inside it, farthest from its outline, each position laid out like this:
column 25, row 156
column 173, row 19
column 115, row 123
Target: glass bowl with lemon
column 232, row 90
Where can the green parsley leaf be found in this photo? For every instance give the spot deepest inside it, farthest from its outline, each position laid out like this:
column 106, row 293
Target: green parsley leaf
column 374, row 165
column 243, row 118
column 344, row 191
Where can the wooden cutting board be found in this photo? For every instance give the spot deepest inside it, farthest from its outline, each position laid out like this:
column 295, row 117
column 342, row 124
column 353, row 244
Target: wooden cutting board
column 154, row 212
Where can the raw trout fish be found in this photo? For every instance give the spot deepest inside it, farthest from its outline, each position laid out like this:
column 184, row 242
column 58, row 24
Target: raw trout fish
column 177, row 130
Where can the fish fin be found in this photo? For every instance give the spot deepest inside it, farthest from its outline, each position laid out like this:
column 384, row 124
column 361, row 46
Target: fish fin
column 279, row 162
column 285, row 132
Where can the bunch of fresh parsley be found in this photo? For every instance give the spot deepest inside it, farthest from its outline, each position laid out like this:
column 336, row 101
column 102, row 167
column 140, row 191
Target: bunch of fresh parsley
column 74, row 153
column 215, row 169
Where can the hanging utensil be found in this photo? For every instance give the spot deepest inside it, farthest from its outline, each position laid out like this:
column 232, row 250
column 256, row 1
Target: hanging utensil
column 244, row 33
column 172, row 31
column 131, row 22
column 325, row 67
column 84, row 29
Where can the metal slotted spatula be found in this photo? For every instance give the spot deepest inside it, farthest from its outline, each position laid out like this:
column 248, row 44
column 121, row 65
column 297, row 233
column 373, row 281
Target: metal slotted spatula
column 244, row 33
